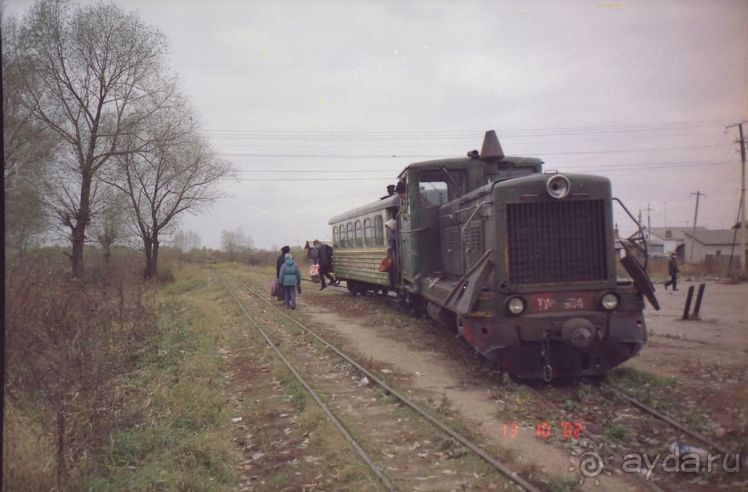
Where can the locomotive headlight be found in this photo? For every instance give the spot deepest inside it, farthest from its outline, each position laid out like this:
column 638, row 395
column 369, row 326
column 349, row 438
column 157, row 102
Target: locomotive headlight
column 515, row 305
column 558, row 186
column 609, row 301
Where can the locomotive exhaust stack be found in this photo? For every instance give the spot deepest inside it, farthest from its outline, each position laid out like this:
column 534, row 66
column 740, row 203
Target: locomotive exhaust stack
column 491, row 150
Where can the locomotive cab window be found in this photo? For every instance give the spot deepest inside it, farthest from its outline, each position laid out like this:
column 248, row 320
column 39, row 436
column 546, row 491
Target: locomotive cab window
column 440, row 186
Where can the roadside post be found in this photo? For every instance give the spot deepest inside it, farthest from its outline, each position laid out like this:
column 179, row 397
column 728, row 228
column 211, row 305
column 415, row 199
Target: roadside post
column 699, row 296
column 687, row 307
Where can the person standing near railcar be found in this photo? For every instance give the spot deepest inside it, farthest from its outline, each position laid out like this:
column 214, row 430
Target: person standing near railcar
column 324, row 260
column 290, row 278
column 280, row 260
column 392, row 240
column 672, row 269
column 278, row 264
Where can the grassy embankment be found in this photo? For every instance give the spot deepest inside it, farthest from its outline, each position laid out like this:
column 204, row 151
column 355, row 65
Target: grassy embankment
column 119, row 385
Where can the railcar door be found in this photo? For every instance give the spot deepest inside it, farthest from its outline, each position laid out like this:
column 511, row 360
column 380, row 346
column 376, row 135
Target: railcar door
column 405, row 257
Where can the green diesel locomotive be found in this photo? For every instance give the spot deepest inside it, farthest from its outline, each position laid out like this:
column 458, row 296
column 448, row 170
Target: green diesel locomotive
column 521, row 262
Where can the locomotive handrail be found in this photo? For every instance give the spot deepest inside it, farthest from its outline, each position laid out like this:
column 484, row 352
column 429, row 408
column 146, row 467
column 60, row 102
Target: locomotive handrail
column 477, row 208
column 459, row 283
column 644, row 248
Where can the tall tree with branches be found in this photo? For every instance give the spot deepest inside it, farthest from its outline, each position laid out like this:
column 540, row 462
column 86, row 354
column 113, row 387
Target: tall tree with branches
column 29, row 147
column 97, row 77
column 176, row 172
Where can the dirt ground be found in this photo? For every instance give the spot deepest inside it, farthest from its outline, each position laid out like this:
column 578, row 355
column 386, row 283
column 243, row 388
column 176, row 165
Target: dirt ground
column 707, row 357
column 389, row 341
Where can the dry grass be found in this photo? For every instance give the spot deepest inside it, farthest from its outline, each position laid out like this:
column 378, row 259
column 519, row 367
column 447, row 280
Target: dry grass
column 66, row 341
column 113, row 383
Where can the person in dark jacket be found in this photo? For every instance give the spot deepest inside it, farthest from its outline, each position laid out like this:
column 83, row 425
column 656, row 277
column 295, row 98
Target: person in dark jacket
column 324, row 260
column 290, row 279
column 278, row 264
column 280, row 260
column 390, row 192
column 672, row 269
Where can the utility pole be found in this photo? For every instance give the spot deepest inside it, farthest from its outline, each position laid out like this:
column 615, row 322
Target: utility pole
column 665, row 214
column 649, row 222
column 743, row 232
column 695, row 216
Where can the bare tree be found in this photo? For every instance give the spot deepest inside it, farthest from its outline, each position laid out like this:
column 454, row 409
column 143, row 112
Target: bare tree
column 94, row 77
column 176, row 173
column 111, row 225
column 186, row 241
column 28, row 148
column 27, row 142
column 235, row 242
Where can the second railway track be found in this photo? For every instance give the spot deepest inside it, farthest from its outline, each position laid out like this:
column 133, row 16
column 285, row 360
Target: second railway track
column 408, row 470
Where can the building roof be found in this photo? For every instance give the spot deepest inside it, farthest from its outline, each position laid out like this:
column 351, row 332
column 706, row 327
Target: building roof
column 677, row 233
column 716, row 237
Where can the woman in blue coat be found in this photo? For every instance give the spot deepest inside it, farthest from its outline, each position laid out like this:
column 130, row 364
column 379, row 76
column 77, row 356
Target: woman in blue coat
column 290, row 279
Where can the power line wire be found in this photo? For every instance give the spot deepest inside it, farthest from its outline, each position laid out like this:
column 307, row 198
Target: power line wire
column 394, row 173
column 636, row 127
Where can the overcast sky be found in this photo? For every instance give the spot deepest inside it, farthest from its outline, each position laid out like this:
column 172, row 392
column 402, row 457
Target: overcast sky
column 311, row 100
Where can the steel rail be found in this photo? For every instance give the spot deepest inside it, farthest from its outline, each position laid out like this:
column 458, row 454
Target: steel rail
column 512, row 475
column 647, row 483
column 331, row 417
column 667, row 419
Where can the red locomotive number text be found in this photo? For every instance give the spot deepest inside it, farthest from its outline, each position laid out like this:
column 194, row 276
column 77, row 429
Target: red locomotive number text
column 564, row 301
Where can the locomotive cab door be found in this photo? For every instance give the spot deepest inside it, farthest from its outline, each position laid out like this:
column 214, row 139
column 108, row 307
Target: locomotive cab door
column 418, row 220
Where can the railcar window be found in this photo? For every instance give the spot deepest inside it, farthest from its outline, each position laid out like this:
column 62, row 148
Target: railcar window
column 335, row 236
column 359, row 235
column 341, row 236
column 378, row 231
column 349, row 235
column 368, row 236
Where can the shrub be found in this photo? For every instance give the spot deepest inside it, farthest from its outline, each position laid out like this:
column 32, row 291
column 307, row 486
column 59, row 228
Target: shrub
column 65, row 342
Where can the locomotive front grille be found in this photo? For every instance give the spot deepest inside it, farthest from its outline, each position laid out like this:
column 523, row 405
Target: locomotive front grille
column 560, row 241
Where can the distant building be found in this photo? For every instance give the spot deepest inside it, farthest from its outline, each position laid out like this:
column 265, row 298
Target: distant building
column 711, row 245
column 673, row 239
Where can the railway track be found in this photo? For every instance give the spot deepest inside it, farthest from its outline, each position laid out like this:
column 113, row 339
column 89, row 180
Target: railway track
column 621, row 394
column 670, row 421
column 355, row 443
column 678, row 427
column 651, row 411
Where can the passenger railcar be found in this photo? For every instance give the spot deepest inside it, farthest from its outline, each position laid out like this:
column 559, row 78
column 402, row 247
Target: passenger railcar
column 520, row 261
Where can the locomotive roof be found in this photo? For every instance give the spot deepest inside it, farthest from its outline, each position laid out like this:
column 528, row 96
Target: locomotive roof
column 466, row 162
column 390, row 201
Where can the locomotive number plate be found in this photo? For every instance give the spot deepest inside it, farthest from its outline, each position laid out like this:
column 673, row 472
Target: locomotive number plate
column 562, row 301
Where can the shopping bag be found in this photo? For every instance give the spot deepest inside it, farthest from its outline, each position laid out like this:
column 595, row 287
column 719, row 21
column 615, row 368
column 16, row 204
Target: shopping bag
column 275, row 288
column 313, row 270
column 385, row 265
